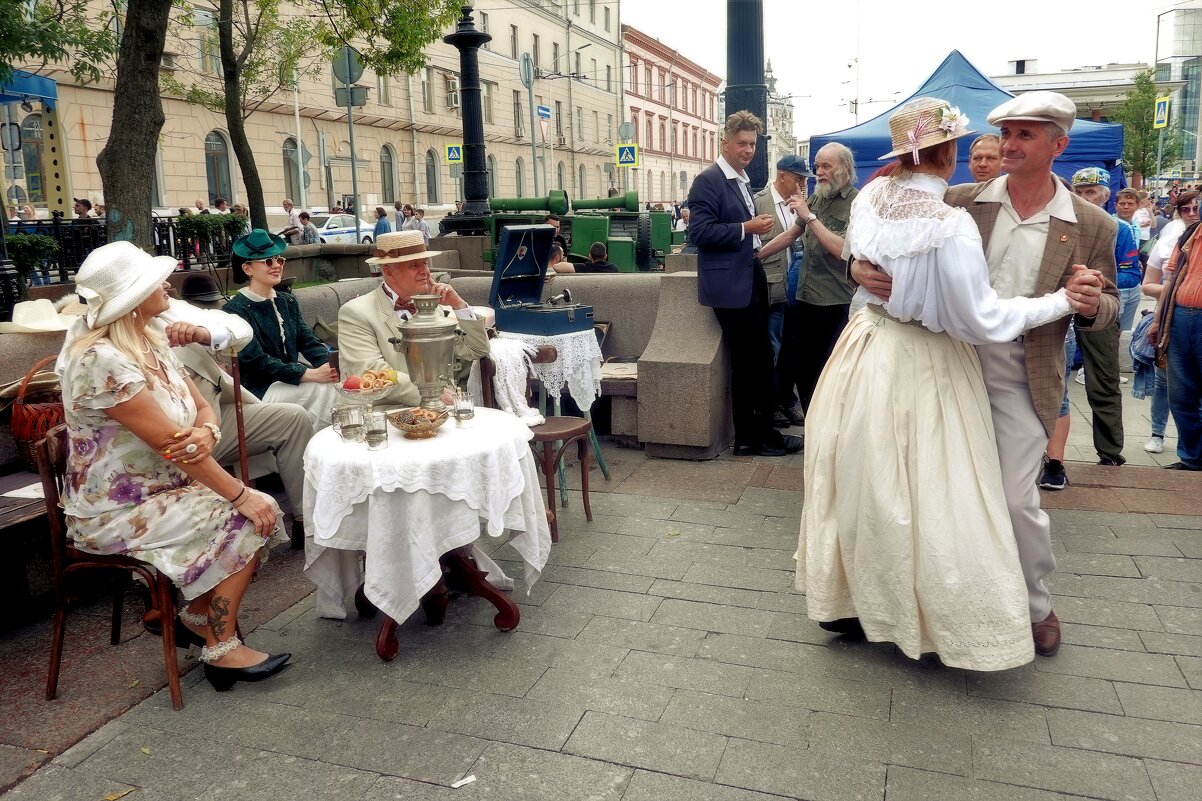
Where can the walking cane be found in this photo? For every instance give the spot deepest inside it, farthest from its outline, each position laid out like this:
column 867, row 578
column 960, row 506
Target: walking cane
column 243, row 465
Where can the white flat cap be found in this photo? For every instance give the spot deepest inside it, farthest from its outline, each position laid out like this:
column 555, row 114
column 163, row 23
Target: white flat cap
column 1039, row 107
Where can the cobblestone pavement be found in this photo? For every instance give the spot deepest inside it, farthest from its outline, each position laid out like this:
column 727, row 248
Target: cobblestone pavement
column 664, row 656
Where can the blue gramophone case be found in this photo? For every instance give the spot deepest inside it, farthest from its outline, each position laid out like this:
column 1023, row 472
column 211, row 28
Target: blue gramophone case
column 519, row 272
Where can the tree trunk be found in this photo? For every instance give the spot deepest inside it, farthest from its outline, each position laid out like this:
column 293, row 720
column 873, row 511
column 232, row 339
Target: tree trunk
column 126, row 163
column 231, row 71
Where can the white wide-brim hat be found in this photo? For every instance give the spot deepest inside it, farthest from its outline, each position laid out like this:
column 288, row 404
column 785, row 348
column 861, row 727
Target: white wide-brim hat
column 36, row 317
column 397, row 247
column 115, row 278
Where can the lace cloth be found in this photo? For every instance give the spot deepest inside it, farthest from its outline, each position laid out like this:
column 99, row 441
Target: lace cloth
column 578, row 366
column 933, row 253
column 405, row 506
column 512, row 360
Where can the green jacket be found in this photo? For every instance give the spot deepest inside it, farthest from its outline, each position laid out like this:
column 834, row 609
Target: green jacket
column 267, row 359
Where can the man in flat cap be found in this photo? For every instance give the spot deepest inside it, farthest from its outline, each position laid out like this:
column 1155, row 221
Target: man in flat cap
column 1036, row 234
column 791, row 175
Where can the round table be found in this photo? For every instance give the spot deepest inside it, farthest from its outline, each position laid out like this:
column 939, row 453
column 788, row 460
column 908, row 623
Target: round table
column 393, row 519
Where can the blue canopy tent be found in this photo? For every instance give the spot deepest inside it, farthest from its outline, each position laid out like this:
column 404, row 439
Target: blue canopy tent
column 1091, row 144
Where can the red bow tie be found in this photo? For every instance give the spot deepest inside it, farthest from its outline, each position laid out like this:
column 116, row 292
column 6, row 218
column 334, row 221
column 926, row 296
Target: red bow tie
column 404, row 305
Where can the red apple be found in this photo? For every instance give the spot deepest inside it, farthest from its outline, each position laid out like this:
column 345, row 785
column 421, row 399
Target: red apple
column 352, row 382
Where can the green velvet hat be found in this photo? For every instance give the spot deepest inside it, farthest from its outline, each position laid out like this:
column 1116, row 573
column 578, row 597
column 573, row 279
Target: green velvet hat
column 258, row 244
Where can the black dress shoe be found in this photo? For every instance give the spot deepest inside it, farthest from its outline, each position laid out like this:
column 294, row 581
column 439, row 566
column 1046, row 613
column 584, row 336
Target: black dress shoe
column 795, row 415
column 223, row 678
column 1180, row 466
column 786, row 444
column 781, row 420
column 847, row 626
column 1106, row 461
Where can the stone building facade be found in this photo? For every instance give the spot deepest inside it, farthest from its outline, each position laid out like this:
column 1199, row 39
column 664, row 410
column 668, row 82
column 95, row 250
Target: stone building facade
column 401, row 135
column 673, row 105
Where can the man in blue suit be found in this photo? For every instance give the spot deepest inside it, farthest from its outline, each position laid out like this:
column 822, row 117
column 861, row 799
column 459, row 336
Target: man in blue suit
column 726, row 231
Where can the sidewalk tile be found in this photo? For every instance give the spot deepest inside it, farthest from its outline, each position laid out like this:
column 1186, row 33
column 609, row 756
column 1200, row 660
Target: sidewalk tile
column 503, row 677
column 738, row 576
column 616, row 695
column 1100, row 636
column 1160, row 703
column 597, row 578
column 797, row 628
column 1107, row 544
column 667, row 567
column 1157, row 500
column 628, row 505
column 771, row 502
column 971, row 714
column 1092, row 498
column 652, row 529
column 56, row 782
column 1144, row 591
column 173, row 763
column 1066, row 770
column 1030, row 686
column 845, row 740
column 17, row 763
column 1180, row 619
column 1098, row 564
column 800, row 774
column 1191, row 668
column 1135, row 737
column 610, row 603
column 520, row 721
column 640, row 636
column 1179, row 569
column 647, row 786
column 701, row 675
column 581, row 657
column 1101, row 663
column 1177, row 521
column 738, row 717
column 722, row 480
column 1103, row 612
column 725, row 518
column 821, row 693
column 908, row 784
column 1181, row 644
column 713, row 617
column 1174, row 781
column 641, row 744
column 269, row 777
column 705, row 593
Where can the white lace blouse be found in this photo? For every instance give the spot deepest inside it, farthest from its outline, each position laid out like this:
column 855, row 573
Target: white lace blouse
column 933, row 253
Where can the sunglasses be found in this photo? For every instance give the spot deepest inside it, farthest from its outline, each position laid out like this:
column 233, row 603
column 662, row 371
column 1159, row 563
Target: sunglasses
column 270, row 260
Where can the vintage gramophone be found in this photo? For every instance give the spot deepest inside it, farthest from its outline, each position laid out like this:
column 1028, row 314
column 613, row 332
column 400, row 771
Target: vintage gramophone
column 428, row 342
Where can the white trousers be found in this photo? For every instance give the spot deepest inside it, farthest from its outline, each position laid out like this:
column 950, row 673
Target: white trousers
column 1021, row 443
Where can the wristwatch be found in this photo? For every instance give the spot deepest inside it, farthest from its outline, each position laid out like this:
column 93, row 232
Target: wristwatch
column 810, row 219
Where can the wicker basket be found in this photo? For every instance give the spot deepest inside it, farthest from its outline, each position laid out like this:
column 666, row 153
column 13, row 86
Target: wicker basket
column 417, row 427
column 31, row 421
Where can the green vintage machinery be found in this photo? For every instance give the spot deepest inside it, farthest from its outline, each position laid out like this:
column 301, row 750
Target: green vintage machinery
column 636, row 240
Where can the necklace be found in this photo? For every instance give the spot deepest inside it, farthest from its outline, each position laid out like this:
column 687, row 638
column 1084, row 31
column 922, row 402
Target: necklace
column 149, row 351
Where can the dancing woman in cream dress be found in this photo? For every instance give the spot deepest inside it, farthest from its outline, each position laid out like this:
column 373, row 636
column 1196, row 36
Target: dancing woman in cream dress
column 905, row 526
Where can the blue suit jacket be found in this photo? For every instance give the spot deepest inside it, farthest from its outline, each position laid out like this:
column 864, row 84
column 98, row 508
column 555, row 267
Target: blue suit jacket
column 724, row 256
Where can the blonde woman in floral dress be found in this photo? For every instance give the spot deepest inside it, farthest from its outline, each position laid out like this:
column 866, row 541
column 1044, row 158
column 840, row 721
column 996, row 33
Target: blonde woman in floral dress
column 140, row 479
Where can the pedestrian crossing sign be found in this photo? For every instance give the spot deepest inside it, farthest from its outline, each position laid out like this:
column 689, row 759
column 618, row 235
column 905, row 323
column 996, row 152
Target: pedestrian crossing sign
column 626, row 155
column 454, row 154
column 1162, row 113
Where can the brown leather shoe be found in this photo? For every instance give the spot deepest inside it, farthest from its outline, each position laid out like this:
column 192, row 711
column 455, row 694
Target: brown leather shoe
column 1047, row 635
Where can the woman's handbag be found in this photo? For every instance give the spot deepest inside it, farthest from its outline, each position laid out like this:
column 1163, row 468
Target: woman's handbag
column 31, row 421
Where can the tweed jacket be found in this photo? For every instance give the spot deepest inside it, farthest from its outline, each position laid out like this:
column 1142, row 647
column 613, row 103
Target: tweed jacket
column 775, row 267
column 365, row 326
column 1089, row 241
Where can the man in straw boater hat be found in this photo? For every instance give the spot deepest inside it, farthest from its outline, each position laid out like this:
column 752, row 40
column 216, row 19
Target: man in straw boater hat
column 367, row 323
column 1037, row 235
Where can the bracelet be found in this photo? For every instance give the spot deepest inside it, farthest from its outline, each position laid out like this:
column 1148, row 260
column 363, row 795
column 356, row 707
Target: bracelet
column 238, row 497
column 216, row 432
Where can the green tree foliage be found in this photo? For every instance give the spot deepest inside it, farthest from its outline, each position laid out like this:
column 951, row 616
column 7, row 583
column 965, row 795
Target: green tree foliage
column 73, row 33
column 391, row 36
column 1136, row 114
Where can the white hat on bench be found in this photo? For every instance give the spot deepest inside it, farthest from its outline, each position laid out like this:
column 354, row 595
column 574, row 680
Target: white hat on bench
column 36, row 317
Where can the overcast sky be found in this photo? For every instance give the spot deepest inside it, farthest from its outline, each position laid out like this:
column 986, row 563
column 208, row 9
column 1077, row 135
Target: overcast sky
column 898, row 44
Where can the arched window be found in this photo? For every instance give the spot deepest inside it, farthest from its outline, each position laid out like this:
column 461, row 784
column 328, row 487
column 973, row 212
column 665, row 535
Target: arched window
column 663, row 185
column 561, row 176
column 492, row 176
column 519, row 170
column 291, row 170
column 650, row 187
column 387, row 175
column 582, row 186
column 31, row 155
column 217, row 167
column 431, row 177
column 601, row 185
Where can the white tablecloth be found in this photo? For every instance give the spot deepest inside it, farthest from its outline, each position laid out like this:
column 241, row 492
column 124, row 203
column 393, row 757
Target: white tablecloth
column 578, row 365
column 405, row 506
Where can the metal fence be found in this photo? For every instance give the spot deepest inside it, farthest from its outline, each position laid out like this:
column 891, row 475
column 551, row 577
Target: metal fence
column 76, row 238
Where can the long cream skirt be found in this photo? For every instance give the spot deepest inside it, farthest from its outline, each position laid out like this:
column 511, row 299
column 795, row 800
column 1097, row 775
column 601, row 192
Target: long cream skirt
column 905, row 524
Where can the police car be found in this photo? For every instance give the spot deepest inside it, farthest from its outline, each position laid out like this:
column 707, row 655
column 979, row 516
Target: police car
column 340, row 228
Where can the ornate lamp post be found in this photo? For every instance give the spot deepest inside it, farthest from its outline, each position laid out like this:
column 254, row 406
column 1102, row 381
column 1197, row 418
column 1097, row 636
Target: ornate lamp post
column 745, row 87
column 467, row 40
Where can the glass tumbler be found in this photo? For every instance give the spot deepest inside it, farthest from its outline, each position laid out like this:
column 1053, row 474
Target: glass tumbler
column 350, row 423
column 376, row 431
column 464, row 410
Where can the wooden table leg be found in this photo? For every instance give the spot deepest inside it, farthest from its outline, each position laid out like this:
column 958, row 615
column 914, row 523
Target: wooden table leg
column 367, row 610
column 386, row 641
column 463, row 574
column 435, row 602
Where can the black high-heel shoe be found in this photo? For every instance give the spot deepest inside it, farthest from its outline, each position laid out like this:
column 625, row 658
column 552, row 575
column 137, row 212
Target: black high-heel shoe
column 224, row 678
column 185, row 636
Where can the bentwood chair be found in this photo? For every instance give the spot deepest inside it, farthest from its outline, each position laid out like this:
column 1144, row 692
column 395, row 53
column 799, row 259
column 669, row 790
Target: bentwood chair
column 51, row 455
column 562, row 430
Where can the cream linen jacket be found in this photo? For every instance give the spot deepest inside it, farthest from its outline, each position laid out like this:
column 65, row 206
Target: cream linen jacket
column 365, row 325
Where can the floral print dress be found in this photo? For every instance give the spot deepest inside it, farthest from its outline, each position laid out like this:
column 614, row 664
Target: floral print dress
column 123, row 497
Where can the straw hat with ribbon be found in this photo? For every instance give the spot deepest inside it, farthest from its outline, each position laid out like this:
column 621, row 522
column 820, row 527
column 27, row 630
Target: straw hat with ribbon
column 399, row 247
column 925, row 122
column 36, row 317
column 115, row 278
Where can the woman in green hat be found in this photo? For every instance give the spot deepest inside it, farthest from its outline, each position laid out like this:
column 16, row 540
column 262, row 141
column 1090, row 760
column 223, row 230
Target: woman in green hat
column 271, row 366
